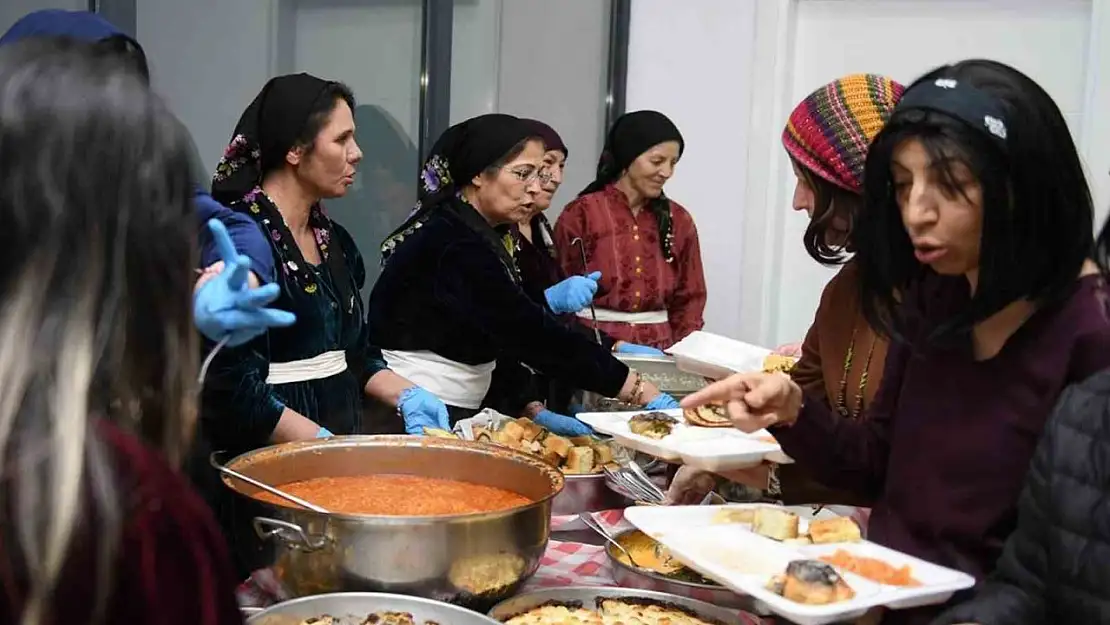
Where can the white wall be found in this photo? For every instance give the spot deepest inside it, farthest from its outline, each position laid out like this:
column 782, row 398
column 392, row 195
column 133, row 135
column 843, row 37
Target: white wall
column 691, row 64
column 795, row 46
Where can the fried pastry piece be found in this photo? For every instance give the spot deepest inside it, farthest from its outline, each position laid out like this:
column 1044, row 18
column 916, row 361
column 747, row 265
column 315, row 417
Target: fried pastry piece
column 652, row 424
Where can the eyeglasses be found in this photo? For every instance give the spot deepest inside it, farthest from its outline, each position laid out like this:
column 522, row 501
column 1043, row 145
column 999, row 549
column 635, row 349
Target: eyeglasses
column 528, row 176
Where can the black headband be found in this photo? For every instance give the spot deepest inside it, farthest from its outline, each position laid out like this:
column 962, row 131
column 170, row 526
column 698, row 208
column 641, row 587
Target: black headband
column 964, row 102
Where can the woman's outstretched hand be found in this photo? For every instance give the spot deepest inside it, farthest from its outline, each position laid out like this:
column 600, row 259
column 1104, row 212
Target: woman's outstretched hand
column 754, row 400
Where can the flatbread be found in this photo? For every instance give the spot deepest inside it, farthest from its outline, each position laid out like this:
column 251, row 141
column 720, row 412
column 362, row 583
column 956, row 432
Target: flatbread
column 708, row 416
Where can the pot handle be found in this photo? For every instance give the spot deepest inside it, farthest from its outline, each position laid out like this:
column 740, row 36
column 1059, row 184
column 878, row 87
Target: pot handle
column 291, row 534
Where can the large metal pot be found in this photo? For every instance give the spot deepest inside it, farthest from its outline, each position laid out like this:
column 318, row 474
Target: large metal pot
column 352, row 608
column 471, row 559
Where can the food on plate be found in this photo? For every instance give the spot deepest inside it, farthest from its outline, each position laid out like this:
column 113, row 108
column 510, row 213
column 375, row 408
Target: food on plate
column 652, row 555
column 575, row 456
column 775, row 523
column 392, row 495
column 777, row 363
column 610, row 611
column 811, row 582
column 652, row 424
column 732, row 515
column 376, row 618
column 872, row 568
column 486, row 573
column 836, row 530
column 708, row 416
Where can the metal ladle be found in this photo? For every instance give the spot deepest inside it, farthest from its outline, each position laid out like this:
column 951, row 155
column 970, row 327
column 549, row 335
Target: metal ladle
column 277, row 492
column 592, row 523
column 585, row 267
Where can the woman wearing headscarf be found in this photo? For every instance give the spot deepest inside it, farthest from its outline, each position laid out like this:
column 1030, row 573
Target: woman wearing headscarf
column 652, row 288
column 516, row 389
column 449, row 301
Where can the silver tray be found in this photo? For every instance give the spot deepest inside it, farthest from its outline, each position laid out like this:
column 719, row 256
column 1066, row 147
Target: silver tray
column 352, row 608
column 587, row 596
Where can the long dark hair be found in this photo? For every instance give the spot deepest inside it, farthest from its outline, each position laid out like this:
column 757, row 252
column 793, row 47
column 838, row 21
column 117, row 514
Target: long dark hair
column 96, row 278
column 1037, row 208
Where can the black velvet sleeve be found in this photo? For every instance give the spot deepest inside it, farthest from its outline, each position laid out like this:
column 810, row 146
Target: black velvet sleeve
column 473, row 284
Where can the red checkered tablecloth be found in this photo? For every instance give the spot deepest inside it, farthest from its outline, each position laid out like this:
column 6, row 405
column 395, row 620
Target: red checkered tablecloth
column 563, row 564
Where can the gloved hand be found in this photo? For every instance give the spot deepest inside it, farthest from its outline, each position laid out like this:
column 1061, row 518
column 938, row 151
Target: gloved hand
column 324, row 433
column 632, row 348
column 573, row 294
column 662, row 401
column 689, row 486
column 421, row 409
column 225, row 306
column 561, row 425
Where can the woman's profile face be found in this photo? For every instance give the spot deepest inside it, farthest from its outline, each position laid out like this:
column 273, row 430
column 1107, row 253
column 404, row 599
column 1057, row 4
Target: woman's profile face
column 554, row 162
column 652, row 169
column 805, row 199
column 508, row 194
column 328, row 168
column 941, row 203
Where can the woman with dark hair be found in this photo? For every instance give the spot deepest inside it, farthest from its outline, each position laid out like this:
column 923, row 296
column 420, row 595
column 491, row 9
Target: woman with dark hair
column 449, row 301
column 973, row 252
column 1061, row 517
column 652, row 288
column 97, row 270
column 841, row 360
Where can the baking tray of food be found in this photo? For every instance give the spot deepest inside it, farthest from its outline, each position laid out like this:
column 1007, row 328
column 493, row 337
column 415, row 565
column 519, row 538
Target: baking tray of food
column 673, row 436
column 359, row 608
column 609, row 605
column 661, row 371
column 811, row 570
column 716, row 357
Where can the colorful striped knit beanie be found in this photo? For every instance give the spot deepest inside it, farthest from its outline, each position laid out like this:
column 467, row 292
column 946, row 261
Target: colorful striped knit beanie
column 829, row 132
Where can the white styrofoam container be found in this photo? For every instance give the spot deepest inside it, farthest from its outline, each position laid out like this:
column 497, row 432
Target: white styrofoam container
column 709, row 449
column 734, row 556
column 715, row 356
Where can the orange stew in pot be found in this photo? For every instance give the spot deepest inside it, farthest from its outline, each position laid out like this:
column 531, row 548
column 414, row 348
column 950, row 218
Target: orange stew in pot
column 398, row 495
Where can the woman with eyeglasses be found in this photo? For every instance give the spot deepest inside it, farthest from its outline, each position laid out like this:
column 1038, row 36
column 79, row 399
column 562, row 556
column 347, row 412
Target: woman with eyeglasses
column 652, row 288
column 449, row 303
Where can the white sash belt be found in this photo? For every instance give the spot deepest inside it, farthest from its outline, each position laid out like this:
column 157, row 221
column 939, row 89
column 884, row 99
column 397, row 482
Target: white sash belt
column 457, row 384
column 318, row 367
column 635, row 318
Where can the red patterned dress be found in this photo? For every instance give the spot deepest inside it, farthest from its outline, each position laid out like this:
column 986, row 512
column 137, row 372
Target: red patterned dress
column 636, row 279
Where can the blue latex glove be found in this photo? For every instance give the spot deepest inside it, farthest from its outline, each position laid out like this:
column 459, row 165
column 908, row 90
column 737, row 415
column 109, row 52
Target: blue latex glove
column 573, row 294
column 421, row 409
column 563, row 426
column 632, row 348
column 324, row 433
column 662, row 401
column 226, row 306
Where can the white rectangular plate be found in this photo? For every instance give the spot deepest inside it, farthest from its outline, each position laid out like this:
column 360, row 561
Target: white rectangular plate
column 737, row 558
column 710, row 449
column 715, row 356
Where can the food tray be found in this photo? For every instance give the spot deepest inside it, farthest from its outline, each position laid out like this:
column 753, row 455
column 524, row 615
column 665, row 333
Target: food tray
column 709, row 449
column 715, row 356
column 351, row 608
column 737, row 558
column 588, row 595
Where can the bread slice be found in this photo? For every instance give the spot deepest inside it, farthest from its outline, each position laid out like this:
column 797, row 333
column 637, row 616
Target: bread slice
column 513, row 431
column 530, row 429
column 775, row 362
column 603, row 453
column 580, row 460
column 838, row 530
column 775, row 523
column 708, row 416
column 557, row 444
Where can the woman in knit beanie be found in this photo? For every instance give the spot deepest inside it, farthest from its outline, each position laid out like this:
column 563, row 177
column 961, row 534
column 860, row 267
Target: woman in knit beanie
column 841, row 359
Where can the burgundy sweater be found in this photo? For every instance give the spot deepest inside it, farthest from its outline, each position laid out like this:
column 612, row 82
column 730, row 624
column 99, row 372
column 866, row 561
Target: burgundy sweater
column 171, row 566
column 949, row 439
